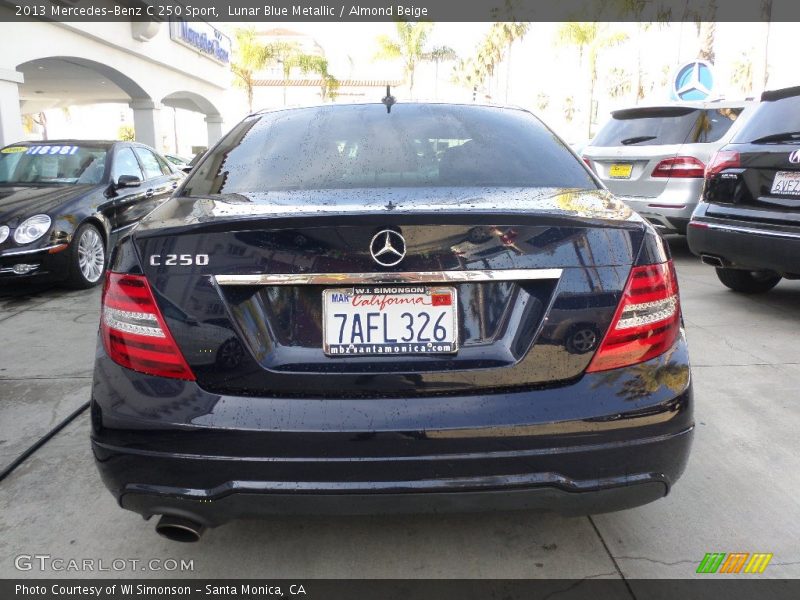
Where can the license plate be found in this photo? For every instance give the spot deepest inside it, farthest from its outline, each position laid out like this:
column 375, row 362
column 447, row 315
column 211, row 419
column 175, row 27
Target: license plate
column 387, row 320
column 786, row 183
column 620, row 171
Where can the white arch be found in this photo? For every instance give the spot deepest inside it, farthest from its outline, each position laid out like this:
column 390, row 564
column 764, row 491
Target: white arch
column 147, row 68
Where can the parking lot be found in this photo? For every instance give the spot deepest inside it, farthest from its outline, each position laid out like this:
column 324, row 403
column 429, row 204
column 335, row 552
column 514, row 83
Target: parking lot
column 740, row 493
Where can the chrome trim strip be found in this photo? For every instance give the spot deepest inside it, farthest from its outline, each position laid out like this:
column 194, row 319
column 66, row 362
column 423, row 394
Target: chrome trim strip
column 382, row 278
column 738, row 229
column 123, row 228
column 21, row 252
column 6, row 270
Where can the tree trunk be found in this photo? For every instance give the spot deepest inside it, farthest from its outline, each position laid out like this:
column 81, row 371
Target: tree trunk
column 708, row 30
column 508, row 69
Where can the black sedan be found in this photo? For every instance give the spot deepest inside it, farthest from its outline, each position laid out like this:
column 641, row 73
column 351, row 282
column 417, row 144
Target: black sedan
column 369, row 308
column 63, row 203
column 748, row 224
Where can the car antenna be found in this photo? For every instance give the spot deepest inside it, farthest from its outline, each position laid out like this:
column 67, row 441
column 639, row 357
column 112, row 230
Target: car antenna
column 389, row 100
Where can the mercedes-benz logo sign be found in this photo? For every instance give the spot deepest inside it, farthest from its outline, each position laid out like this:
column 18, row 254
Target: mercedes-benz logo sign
column 694, row 81
column 794, row 157
column 387, row 247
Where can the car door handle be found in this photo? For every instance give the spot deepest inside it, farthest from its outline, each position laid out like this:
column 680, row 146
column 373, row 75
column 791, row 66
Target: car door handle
column 149, row 193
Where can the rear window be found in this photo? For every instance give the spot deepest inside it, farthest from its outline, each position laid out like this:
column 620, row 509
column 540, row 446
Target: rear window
column 363, row 146
column 771, row 119
column 666, row 126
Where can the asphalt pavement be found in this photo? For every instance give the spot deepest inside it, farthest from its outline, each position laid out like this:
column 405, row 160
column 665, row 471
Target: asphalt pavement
column 740, row 492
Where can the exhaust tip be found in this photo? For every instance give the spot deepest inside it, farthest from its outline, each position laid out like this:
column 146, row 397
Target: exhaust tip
column 714, row 261
column 179, row 529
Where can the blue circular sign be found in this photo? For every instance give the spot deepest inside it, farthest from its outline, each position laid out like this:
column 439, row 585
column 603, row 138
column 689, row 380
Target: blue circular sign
column 693, row 81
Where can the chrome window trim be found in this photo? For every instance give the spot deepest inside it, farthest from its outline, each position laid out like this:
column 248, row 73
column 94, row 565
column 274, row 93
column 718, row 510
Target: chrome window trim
column 753, row 230
column 384, row 278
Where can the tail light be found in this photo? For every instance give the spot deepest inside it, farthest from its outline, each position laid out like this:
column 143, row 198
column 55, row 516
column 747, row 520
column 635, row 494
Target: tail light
column 588, row 163
column 134, row 332
column 679, row 166
column 723, row 159
column 647, row 321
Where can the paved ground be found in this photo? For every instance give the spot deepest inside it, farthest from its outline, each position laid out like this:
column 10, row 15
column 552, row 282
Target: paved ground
column 741, row 491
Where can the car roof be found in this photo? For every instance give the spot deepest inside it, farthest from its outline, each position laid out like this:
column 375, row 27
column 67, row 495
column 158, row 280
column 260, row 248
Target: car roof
column 780, row 94
column 344, row 105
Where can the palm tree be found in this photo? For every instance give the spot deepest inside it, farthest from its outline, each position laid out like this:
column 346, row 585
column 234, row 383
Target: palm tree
column 31, row 121
column 410, row 45
column 312, row 63
column 437, row 55
column 762, row 75
column 542, row 101
column 742, row 74
column 707, row 31
column 251, row 56
column 618, row 82
column 491, row 52
column 589, row 38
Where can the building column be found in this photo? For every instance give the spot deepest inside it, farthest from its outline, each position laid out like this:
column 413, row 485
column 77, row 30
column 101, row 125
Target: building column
column 214, row 127
column 146, row 122
column 10, row 114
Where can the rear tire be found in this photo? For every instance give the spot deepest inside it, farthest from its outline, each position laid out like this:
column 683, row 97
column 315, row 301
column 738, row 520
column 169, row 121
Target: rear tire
column 87, row 258
column 748, row 282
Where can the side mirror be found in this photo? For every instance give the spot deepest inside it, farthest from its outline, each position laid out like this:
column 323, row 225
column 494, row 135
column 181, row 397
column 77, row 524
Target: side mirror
column 126, row 181
column 187, row 168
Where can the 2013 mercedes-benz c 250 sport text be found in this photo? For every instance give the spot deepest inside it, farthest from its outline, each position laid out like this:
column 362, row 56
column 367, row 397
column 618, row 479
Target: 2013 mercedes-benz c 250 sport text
column 389, row 307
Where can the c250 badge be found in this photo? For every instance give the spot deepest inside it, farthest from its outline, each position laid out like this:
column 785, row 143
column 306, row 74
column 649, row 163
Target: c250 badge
column 170, row 260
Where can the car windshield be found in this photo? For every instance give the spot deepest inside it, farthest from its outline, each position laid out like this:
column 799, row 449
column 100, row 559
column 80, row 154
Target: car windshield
column 52, row 164
column 367, row 146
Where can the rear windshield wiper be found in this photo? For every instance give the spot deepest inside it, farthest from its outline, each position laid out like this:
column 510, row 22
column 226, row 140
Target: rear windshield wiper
column 637, row 139
column 789, row 136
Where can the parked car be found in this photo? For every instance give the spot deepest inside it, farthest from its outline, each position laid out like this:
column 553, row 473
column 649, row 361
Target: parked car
column 653, row 158
column 748, row 224
column 178, row 161
column 478, row 325
column 63, row 202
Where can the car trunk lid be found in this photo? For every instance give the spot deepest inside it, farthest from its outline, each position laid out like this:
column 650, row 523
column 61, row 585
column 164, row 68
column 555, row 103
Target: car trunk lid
column 533, row 271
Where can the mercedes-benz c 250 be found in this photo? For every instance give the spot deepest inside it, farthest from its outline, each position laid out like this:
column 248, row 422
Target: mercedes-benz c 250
column 389, row 307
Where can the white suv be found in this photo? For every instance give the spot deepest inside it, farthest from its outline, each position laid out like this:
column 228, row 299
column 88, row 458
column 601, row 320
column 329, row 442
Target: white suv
column 654, row 157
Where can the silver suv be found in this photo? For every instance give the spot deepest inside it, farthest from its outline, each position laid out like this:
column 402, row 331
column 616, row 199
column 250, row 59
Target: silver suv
column 654, row 157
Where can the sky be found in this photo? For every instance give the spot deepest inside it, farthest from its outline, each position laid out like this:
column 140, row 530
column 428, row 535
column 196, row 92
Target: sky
column 539, row 66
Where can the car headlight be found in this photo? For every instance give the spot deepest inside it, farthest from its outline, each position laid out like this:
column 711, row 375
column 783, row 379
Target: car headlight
column 32, row 229
column 4, row 233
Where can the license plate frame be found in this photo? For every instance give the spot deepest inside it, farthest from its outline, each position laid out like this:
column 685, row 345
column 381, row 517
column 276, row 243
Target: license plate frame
column 396, row 346
column 620, row 170
column 785, row 177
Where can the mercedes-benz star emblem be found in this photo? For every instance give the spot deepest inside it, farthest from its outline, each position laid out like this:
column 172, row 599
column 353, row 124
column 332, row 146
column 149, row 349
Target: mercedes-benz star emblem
column 387, row 247
column 694, row 81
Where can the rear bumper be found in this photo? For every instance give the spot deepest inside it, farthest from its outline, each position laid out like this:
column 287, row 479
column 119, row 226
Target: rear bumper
column 245, row 503
column 747, row 245
column 606, row 442
column 668, row 213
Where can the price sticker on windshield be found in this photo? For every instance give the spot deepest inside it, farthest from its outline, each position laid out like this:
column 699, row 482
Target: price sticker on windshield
column 51, row 150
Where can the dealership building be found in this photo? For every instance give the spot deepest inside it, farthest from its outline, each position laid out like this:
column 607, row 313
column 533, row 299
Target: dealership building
column 148, row 66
